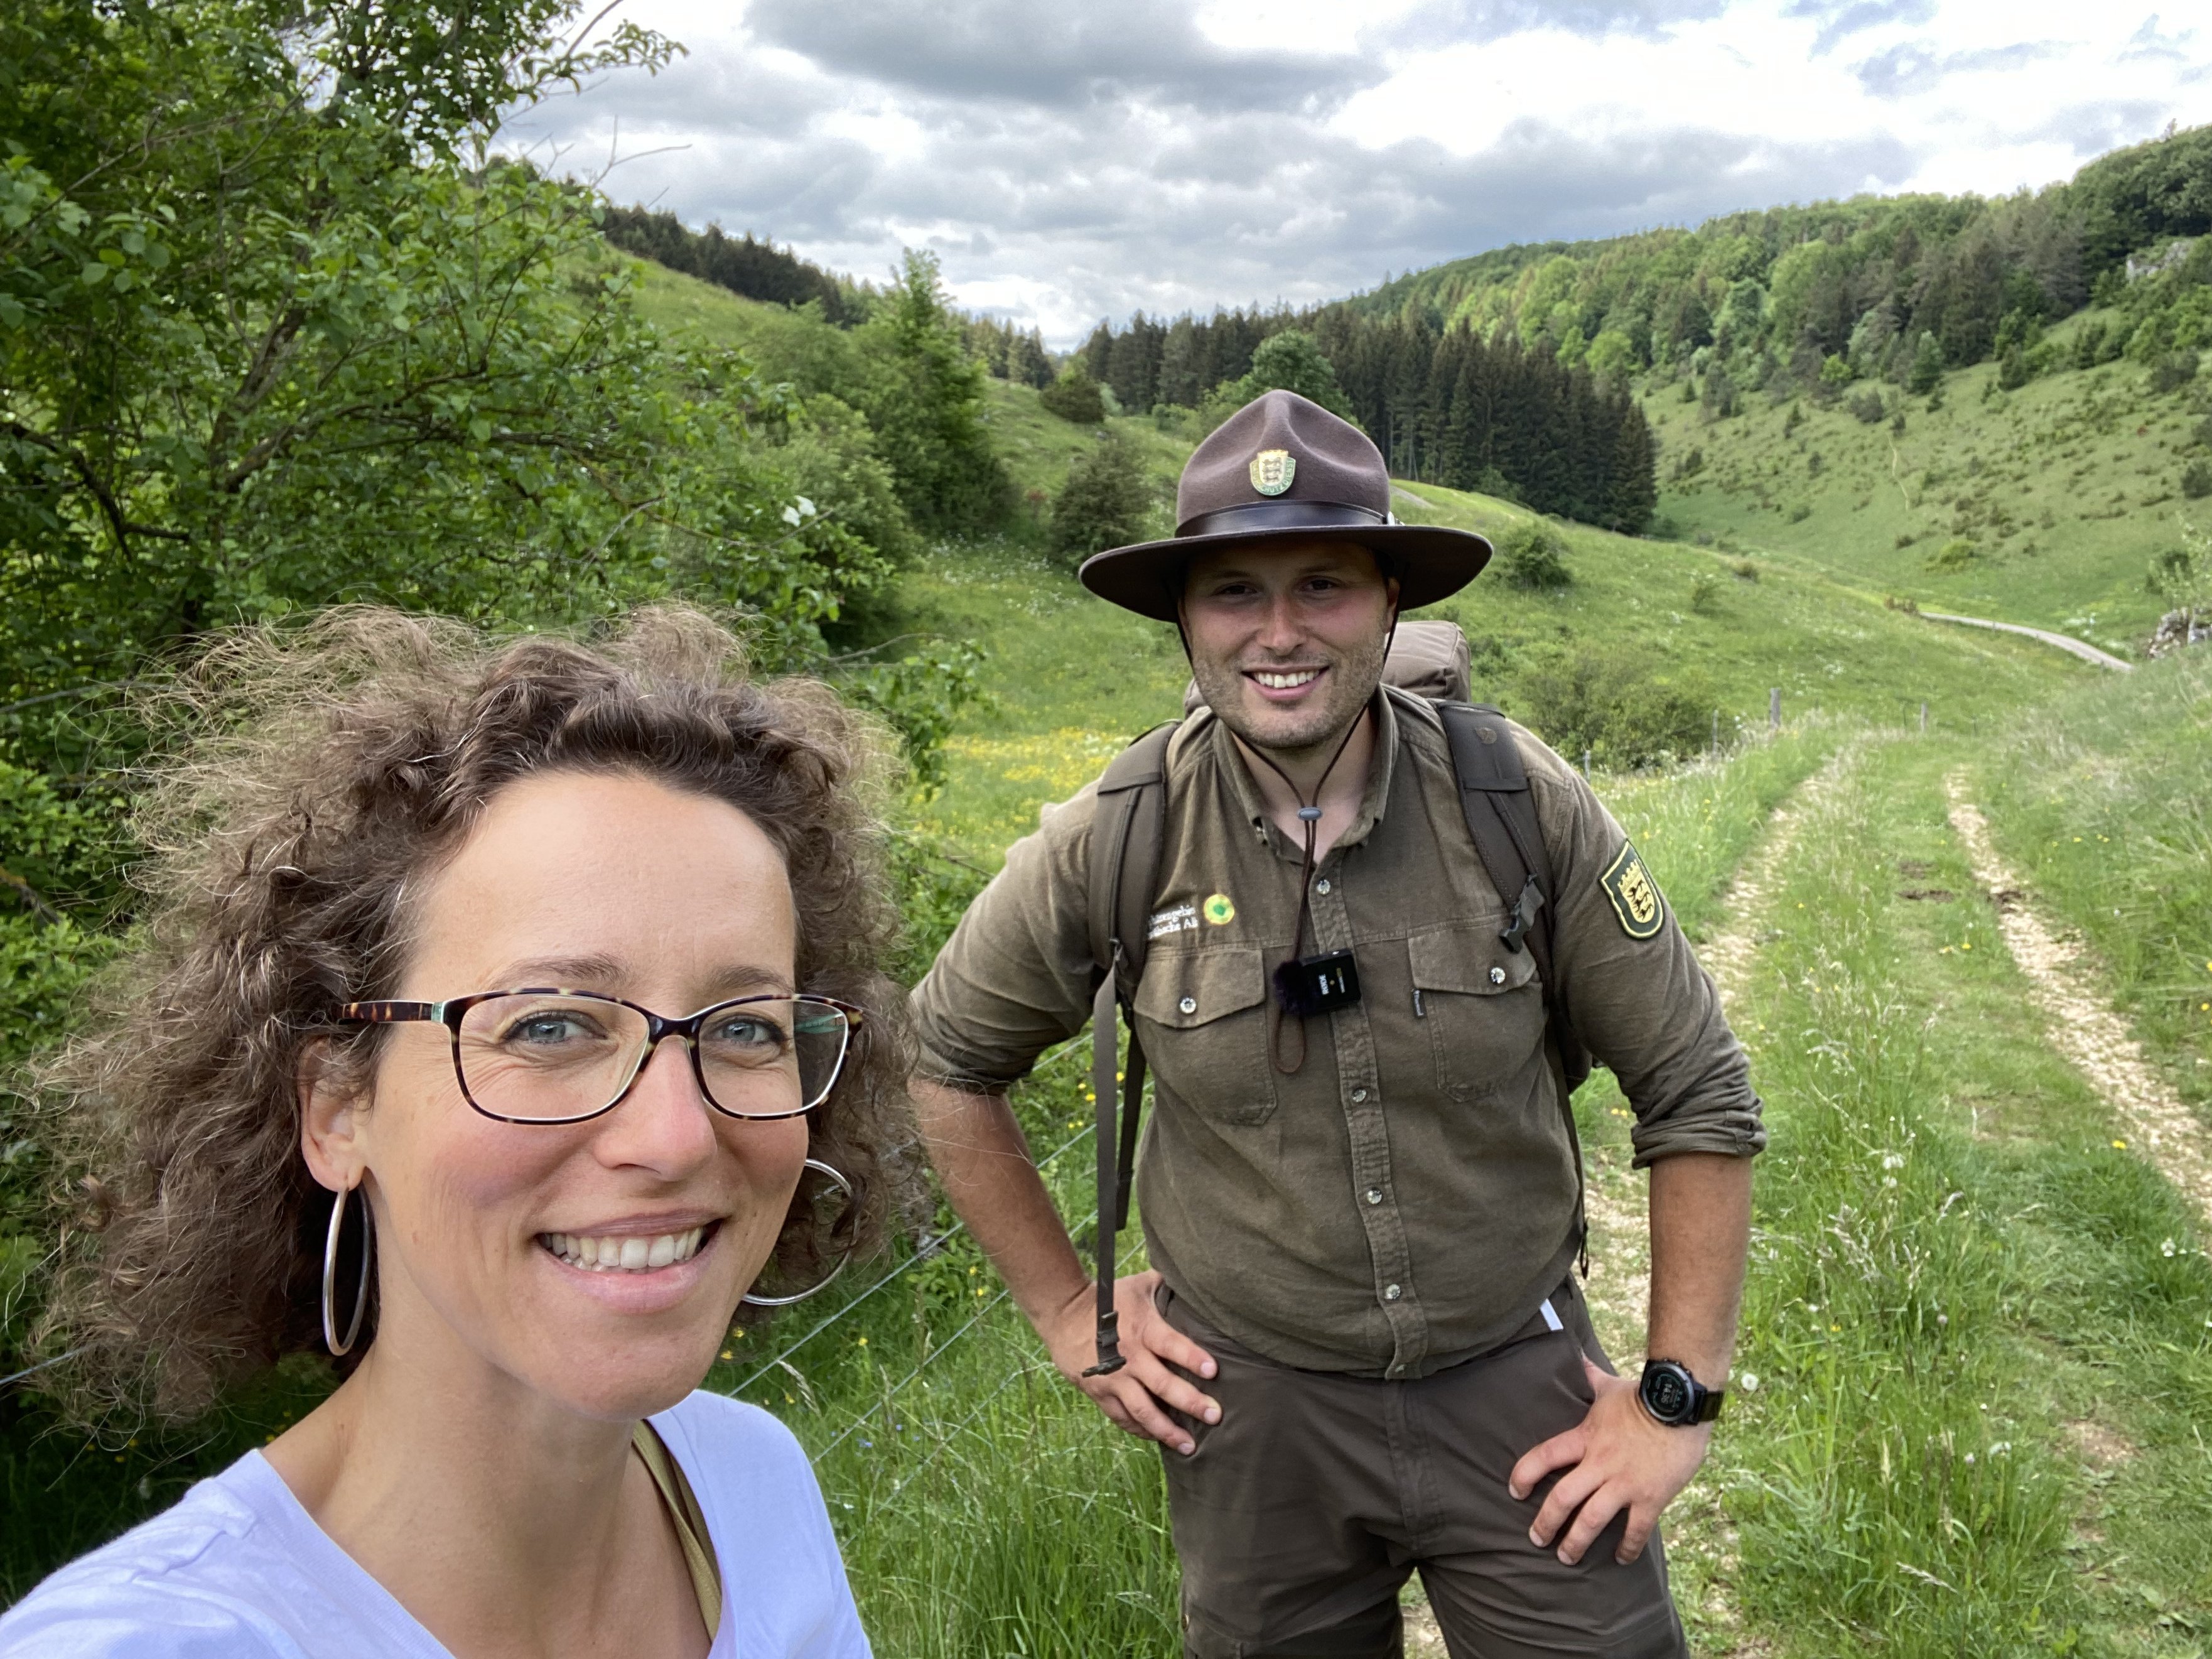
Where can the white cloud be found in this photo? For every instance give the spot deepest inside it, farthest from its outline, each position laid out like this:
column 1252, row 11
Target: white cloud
column 1073, row 164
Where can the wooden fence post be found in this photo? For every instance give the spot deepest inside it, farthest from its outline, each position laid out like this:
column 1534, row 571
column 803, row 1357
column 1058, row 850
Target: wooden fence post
column 1774, row 708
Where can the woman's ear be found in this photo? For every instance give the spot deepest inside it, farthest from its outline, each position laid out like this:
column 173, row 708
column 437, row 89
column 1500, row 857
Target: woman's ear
column 331, row 1115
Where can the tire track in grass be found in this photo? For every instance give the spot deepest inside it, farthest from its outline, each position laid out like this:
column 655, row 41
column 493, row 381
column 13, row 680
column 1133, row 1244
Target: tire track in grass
column 1697, row 1534
column 1618, row 1197
column 1700, row 1538
column 2083, row 1026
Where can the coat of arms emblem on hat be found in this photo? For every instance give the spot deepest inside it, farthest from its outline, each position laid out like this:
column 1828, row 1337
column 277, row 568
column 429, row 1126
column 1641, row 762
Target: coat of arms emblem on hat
column 1272, row 470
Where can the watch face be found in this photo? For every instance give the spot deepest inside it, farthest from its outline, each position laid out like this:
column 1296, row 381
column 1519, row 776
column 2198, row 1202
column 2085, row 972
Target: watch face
column 1667, row 1394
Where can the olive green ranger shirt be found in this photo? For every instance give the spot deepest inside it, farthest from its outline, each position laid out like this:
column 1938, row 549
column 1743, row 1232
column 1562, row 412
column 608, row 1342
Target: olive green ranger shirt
column 1405, row 1198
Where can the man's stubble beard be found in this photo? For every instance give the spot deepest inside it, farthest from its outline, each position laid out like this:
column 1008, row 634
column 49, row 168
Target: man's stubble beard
column 1351, row 680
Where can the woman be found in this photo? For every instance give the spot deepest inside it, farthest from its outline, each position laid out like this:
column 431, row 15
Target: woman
column 494, row 1004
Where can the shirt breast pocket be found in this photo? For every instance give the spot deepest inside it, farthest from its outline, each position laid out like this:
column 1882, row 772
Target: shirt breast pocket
column 1482, row 1004
column 1204, row 1029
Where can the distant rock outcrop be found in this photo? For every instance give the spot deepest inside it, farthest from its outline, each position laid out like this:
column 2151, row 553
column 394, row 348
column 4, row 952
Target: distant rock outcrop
column 2176, row 629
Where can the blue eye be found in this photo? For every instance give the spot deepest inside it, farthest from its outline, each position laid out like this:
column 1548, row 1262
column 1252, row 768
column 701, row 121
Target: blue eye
column 545, row 1029
column 747, row 1031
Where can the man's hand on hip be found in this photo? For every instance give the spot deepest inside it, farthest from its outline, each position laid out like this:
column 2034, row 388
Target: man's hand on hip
column 1134, row 1395
column 1616, row 1460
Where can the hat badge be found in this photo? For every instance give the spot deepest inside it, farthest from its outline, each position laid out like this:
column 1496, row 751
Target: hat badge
column 1272, row 470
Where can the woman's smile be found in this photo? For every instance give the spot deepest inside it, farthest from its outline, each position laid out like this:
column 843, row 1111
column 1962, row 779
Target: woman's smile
column 626, row 1253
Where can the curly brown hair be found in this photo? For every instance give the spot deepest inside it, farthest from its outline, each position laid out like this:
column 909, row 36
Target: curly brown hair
column 317, row 774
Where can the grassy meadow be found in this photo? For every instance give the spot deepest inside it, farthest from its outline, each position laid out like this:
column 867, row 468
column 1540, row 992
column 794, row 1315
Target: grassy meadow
column 2042, row 505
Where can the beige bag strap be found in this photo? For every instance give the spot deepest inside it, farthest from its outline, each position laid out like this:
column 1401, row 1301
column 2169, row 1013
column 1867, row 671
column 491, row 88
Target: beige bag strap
column 675, row 1490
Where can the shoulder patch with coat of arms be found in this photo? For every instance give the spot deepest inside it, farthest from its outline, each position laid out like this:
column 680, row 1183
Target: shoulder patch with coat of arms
column 1635, row 896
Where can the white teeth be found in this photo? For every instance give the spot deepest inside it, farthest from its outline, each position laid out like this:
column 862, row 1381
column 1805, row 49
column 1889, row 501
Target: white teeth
column 630, row 1253
column 1287, row 681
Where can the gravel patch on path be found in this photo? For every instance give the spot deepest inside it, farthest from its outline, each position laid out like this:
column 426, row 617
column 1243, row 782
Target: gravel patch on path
column 2080, row 1024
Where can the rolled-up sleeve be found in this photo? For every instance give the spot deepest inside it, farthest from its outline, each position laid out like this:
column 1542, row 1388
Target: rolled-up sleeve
column 1015, row 978
column 1645, row 1007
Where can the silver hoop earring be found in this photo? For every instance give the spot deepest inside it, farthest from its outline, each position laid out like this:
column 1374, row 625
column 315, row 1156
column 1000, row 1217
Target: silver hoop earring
column 844, row 1186
column 339, row 1349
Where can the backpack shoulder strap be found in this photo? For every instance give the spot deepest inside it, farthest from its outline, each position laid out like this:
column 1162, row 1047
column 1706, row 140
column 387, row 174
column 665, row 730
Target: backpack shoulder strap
column 1127, row 837
column 1500, row 809
column 1126, row 845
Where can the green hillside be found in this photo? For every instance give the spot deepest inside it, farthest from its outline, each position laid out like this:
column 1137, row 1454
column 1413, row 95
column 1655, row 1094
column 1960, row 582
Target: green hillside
column 1070, row 679
column 798, row 347
column 2043, row 504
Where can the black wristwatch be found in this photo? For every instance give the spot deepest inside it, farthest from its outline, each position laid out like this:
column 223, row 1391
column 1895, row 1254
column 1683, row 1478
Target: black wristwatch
column 1675, row 1397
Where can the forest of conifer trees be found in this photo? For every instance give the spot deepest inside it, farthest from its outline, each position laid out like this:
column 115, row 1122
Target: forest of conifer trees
column 1445, row 405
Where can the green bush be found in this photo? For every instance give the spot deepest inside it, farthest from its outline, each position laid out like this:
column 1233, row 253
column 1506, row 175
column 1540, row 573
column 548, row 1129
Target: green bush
column 1107, row 501
column 829, row 457
column 1866, row 405
column 1615, row 702
column 1954, row 555
column 1706, row 593
column 925, row 399
column 1074, row 397
column 2196, row 479
column 1533, row 555
column 2172, row 371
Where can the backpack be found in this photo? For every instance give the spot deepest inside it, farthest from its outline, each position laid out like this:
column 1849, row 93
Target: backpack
column 1429, row 659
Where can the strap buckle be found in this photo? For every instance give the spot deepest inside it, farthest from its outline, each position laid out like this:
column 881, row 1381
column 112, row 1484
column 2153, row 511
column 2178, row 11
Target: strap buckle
column 1110, row 1346
column 1523, row 916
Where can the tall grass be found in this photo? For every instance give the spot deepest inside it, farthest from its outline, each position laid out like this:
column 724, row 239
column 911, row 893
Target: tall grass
column 1881, row 1497
column 2104, row 800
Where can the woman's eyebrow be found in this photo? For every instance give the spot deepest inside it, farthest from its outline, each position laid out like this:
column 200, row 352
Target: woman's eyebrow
column 597, row 972
column 747, row 978
column 564, row 972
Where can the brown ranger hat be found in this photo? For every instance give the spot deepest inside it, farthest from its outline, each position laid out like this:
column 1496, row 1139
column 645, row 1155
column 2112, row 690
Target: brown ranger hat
column 1284, row 469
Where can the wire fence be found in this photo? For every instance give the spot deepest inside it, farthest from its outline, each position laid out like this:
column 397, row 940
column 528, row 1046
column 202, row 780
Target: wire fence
column 1127, row 1257
column 929, row 1250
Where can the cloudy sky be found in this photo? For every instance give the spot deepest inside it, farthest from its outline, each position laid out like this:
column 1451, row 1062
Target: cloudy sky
column 1069, row 162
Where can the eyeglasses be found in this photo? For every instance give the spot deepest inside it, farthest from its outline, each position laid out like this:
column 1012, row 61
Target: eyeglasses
column 554, row 1056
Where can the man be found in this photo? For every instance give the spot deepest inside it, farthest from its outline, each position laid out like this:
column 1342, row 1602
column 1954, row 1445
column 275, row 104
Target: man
column 1361, row 1343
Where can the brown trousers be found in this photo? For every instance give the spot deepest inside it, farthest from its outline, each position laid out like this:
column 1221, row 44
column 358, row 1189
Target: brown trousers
column 1305, row 1509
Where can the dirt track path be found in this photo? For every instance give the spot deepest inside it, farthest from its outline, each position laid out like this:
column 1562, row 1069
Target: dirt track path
column 1620, row 1294
column 1620, row 1290
column 2082, row 1026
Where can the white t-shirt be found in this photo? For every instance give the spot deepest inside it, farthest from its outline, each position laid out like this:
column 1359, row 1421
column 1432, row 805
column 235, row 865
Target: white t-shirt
column 238, row 1568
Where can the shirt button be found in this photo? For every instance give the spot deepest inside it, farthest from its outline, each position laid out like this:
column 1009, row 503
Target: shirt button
column 1358, row 1095
column 1322, row 887
column 1374, row 1194
column 1497, row 977
column 1391, row 1293
column 1188, row 1005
